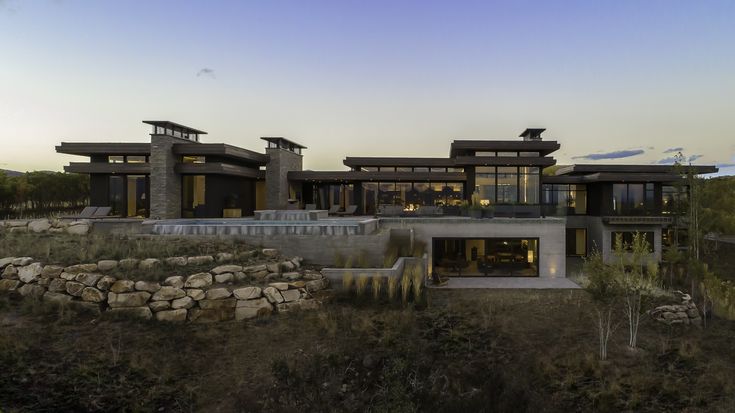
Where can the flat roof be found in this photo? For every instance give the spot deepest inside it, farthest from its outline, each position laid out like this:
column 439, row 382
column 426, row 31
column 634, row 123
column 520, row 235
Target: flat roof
column 220, row 149
column 386, row 176
column 174, row 125
column 632, row 169
column 279, row 139
column 543, row 147
column 103, row 148
column 397, row 161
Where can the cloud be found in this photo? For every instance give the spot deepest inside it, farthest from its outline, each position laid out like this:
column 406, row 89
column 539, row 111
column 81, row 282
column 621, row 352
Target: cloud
column 694, row 158
column 674, row 150
column 206, row 72
column 666, row 161
column 726, row 165
column 611, row 155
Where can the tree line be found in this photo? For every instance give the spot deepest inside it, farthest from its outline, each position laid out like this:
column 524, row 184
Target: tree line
column 42, row 193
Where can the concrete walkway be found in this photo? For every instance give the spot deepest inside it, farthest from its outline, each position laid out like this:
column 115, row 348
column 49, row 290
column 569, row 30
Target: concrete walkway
column 508, row 283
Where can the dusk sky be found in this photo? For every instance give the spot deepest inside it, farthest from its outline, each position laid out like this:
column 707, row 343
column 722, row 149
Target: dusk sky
column 613, row 82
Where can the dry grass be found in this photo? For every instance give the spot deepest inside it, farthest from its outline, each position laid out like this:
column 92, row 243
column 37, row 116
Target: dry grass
column 377, row 286
column 392, row 287
column 361, row 284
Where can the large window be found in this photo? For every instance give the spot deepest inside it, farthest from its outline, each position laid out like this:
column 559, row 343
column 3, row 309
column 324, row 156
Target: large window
column 117, row 195
column 627, row 238
column 193, row 195
column 411, row 195
column 673, row 199
column 565, row 199
column 507, row 185
column 577, row 242
column 633, row 199
column 136, row 197
column 499, row 257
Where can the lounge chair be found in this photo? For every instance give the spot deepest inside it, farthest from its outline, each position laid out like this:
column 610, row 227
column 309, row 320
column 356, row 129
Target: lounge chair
column 334, row 209
column 102, row 212
column 350, row 210
column 310, row 207
column 87, row 212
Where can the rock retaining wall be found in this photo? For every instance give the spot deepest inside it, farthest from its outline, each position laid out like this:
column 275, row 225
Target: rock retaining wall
column 685, row 313
column 219, row 294
column 75, row 227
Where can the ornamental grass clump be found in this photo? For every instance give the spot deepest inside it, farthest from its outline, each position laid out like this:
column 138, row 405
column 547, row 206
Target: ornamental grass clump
column 361, row 284
column 405, row 286
column 377, row 284
column 418, row 282
column 347, row 280
column 392, row 287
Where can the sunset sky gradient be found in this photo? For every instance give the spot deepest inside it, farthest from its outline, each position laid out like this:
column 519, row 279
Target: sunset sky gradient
column 613, row 82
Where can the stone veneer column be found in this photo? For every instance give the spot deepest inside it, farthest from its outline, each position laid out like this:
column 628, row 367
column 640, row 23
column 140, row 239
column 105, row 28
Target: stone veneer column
column 165, row 191
column 276, row 176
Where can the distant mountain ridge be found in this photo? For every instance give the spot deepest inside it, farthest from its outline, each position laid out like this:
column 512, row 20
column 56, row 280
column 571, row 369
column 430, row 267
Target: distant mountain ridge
column 8, row 172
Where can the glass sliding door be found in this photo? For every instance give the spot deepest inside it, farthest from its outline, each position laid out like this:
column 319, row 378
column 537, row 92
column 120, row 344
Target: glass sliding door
column 193, row 196
column 136, row 197
column 486, row 257
column 117, row 195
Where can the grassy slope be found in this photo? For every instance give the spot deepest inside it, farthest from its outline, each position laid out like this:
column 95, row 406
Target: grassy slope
column 471, row 351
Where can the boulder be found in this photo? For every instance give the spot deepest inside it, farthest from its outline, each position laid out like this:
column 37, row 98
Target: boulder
column 56, row 297
column 279, row 286
column 75, row 288
column 148, row 286
column 106, row 282
column 291, row 276
column 57, row 285
column 297, row 284
column 168, row 293
column 149, row 264
column 273, row 295
column 52, row 271
column 199, row 280
column 252, row 308
column 16, row 223
column 122, row 286
column 68, row 276
column 56, row 230
column 290, row 295
column 273, row 267
column 76, row 269
column 129, row 263
column 174, row 281
column 218, row 293
column 4, row 262
column 240, row 276
column 93, row 295
column 254, row 268
column 88, row 279
column 18, row 229
column 195, row 293
column 271, row 277
column 32, row 290
column 259, row 275
column 10, row 272
column 78, row 229
column 227, row 277
column 247, row 293
column 9, row 285
column 200, row 260
column 107, row 265
column 44, row 281
column 245, row 255
column 217, row 304
column 39, row 225
column 137, row 312
column 226, row 268
column 269, row 252
column 135, row 299
column 178, row 315
column 183, row 302
column 288, row 266
column 312, row 275
column 224, row 257
column 22, row 261
column 693, row 313
column 316, row 285
column 156, row 306
column 30, row 273
column 175, row 261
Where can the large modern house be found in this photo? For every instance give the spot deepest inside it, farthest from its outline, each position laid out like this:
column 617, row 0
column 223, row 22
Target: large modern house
column 538, row 218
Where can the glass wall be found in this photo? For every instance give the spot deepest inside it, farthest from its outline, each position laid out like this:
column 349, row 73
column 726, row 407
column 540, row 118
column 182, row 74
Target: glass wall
column 564, row 199
column 500, row 257
column 136, row 197
column 577, row 242
column 674, row 199
column 328, row 195
column 410, row 195
column 193, row 195
column 508, row 185
column 117, row 195
column 633, row 199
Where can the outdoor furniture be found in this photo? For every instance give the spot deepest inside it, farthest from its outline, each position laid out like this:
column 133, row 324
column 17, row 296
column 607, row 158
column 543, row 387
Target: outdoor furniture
column 87, row 212
column 350, row 210
column 429, row 210
column 334, row 209
column 390, row 210
column 101, row 212
column 310, row 207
